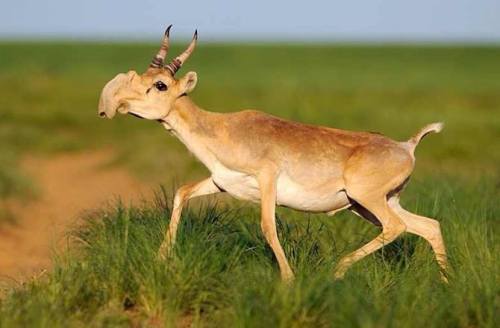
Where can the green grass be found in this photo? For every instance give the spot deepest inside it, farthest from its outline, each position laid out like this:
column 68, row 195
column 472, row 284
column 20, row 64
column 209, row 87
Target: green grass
column 222, row 273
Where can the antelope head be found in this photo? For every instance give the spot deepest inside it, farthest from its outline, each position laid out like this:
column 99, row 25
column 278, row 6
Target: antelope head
column 150, row 95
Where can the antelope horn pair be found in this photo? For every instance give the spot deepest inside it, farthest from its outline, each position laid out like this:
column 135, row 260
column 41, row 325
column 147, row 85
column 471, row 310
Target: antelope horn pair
column 177, row 62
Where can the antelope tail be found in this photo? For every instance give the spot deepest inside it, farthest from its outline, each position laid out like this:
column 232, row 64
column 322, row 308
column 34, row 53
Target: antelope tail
column 430, row 128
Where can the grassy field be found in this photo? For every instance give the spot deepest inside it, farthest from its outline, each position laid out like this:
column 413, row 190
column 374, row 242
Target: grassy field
column 222, row 273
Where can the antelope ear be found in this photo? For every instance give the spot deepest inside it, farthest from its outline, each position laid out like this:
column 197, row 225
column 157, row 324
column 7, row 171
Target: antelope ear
column 188, row 82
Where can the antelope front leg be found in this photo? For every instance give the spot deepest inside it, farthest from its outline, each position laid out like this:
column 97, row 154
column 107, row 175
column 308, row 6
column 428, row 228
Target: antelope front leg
column 267, row 184
column 183, row 194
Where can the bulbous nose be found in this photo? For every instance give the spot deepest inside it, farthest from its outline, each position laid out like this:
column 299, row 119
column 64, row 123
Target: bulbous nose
column 102, row 114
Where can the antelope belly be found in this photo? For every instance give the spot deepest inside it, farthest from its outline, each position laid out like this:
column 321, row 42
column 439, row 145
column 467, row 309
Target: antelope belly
column 289, row 193
column 320, row 199
column 237, row 184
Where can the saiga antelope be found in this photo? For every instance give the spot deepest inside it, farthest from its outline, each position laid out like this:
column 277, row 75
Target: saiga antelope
column 265, row 159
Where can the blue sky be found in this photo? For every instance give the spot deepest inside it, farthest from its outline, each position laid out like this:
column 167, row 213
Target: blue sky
column 317, row 20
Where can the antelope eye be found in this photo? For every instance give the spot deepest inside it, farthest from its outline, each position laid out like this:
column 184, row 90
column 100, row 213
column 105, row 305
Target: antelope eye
column 160, row 86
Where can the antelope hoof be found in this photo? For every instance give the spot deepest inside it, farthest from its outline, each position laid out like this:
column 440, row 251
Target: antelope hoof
column 339, row 275
column 165, row 249
column 287, row 277
column 444, row 279
column 340, row 271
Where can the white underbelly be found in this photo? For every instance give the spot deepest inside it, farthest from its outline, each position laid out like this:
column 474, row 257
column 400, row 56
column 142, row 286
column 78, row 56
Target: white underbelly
column 289, row 193
column 313, row 199
column 237, row 184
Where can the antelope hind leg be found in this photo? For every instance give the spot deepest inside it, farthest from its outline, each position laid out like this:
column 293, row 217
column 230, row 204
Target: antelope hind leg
column 427, row 228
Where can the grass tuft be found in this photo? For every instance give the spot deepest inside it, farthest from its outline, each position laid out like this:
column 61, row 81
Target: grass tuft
column 222, row 273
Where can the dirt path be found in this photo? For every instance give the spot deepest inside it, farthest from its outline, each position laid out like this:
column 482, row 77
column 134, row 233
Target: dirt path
column 67, row 184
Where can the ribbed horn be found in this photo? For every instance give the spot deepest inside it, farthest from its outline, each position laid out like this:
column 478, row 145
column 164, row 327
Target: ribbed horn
column 178, row 61
column 158, row 60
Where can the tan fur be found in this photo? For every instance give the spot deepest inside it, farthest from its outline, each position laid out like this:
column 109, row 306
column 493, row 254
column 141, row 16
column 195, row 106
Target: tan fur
column 258, row 157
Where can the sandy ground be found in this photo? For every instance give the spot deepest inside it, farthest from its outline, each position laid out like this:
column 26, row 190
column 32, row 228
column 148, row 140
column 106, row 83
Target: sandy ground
column 68, row 184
